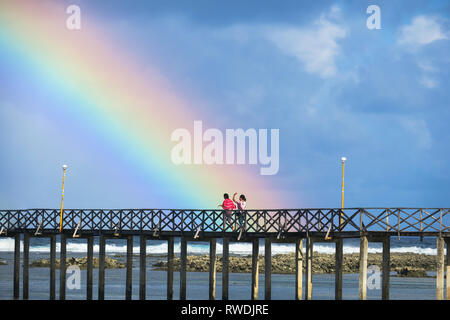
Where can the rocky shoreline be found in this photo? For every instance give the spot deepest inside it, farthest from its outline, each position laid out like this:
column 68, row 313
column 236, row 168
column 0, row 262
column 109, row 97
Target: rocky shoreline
column 80, row 262
column 405, row 264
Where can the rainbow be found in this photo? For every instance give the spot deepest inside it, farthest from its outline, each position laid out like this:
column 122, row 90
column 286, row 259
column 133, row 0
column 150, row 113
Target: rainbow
column 130, row 110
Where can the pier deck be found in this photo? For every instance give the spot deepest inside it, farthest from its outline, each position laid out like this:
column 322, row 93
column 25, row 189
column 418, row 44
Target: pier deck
column 277, row 225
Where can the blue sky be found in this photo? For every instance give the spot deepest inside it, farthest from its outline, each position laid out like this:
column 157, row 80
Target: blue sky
column 312, row 69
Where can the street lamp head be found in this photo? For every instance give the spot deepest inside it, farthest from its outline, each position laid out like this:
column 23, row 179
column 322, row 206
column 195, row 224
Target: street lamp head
column 343, row 159
column 64, row 166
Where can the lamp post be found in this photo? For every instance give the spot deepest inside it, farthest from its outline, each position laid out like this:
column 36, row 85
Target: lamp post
column 62, row 197
column 343, row 159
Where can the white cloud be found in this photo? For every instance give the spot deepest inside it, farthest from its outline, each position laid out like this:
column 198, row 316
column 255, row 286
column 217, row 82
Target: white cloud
column 418, row 129
column 422, row 31
column 315, row 47
column 426, row 66
column 428, row 82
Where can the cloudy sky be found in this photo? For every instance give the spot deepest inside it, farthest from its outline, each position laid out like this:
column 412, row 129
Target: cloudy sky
column 313, row 70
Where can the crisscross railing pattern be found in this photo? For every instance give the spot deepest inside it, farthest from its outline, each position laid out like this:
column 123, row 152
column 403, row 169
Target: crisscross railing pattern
column 280, row 221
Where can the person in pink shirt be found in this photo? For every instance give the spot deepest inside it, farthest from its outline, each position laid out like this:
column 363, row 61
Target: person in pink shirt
column 241, row 204
column 227, row 205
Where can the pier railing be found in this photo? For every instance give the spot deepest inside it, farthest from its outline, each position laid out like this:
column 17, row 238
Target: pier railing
column 286, row 225
column 410, row 221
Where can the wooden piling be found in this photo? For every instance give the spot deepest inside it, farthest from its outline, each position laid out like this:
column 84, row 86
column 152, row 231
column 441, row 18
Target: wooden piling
column 129, row 276
column 268, row 269
column 62, row 267
column 170, row 257
column 339, row 257
column 26, row 264
column 440, row 268
column 386, row 268
column 447, row 268
column 90, row 267
column 212, row 269
column 308, row 269
column 52, row 266
column 101, row 268
column 183, row 258
column 255, row 268
column 225, row 264
column 143, row 267
column 299, row 269
column 16, row 266
column 363, row 268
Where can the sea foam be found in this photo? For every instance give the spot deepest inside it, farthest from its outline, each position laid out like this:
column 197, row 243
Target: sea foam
column 7, row 245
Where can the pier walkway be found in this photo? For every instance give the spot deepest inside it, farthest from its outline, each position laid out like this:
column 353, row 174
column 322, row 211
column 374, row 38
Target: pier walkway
column 277, row 225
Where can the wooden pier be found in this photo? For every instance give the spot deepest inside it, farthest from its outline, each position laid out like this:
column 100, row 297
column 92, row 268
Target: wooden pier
column 303, row 227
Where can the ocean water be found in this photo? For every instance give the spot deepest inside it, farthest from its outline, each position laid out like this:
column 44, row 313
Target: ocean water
column 197, row 282
column 404, row 244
